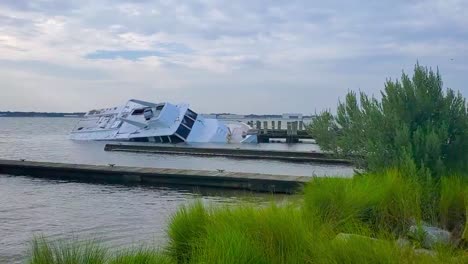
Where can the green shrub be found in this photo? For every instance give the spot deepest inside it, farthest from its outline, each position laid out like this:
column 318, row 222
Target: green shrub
column 415, row 125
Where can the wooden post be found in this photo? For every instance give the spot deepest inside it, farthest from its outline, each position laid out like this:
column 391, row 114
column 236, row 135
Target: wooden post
column 294, row 128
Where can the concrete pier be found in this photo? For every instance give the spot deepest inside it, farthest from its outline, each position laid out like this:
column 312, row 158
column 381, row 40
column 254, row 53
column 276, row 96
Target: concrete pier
column 291, row 134
column 291, row 156
column 155, row 176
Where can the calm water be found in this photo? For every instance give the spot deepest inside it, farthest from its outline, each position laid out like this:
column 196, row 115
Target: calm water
column 119, row 215
column 46, row 139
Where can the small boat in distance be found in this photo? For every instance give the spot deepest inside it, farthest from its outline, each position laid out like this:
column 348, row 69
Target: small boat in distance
column 141, row 121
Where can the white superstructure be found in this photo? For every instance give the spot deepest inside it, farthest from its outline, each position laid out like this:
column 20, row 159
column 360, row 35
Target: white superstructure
column 142, row 121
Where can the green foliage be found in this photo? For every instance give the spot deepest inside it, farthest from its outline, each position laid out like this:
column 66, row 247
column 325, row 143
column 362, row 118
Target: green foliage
column 247, row 234
column 338, row 220
column 140, row 256
column 63, row 252
column 186, row 228
column 374, row 209
column 387, row 202
column 44, row 251
column 415, row 125
column 453, row 202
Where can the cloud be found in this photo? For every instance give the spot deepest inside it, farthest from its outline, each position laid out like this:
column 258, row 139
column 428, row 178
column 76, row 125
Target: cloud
column 221, row 56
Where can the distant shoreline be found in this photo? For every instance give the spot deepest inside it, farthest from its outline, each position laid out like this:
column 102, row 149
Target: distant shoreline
column 40, row 114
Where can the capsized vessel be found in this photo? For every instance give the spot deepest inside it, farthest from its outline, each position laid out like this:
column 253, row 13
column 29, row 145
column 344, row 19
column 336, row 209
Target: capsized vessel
column 142, row 121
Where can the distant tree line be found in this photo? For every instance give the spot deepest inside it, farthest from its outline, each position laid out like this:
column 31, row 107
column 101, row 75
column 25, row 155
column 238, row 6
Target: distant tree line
column 39, row 114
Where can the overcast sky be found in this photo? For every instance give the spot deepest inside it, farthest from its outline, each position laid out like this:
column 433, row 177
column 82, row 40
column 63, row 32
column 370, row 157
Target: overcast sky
column 242, row 56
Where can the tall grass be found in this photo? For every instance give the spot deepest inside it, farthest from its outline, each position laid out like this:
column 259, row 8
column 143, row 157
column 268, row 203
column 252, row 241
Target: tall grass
column 140, row 256
column 387, row 202
column 44, row 251
column 186, row 228
column 338, row 221
column 374, row 209
column 66, row 252
column 453, row 203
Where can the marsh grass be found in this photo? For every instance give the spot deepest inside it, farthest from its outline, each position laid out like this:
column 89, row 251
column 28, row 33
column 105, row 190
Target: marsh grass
column 452, row 203
column 378, row 207
column 66, row 252
column 186, row 228
column 44, row 251
column 338, row 220
column 387, row 202
column 142, row 255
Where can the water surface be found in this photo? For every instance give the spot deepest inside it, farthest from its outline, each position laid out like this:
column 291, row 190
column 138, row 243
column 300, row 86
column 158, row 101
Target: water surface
column 116, row 214
column 119, row 215
column 46, row 139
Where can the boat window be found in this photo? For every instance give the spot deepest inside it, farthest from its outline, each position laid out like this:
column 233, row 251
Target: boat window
column 165, row 139
column 159, row 107
column 138, row 111
column 191, row 114
column 175, row 139
column 183, row 131
column 188, row 122
column 140, row 139
column 117, row 124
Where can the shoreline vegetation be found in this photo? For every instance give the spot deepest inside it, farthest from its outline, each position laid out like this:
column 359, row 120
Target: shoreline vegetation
column 408, row 203
column 371, row 218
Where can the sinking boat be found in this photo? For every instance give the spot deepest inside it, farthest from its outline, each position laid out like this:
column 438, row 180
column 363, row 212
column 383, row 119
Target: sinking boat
column 141, row 121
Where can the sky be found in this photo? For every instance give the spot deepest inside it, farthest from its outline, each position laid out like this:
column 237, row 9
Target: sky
column 243, row 56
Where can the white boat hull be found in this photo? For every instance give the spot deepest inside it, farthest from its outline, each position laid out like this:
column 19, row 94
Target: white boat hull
column 159, row 123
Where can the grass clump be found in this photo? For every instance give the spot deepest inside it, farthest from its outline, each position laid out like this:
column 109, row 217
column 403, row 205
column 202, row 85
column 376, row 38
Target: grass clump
column 44, row 251
column 64, row 252
column 453, row 202
column 186, row 228
column 247, row 234
column 140, row 256
column 387, row 202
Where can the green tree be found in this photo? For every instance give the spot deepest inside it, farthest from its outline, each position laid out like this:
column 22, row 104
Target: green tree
column 416, row 124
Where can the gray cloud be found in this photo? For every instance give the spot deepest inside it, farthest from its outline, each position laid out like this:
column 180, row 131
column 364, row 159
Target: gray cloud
column 222, row 56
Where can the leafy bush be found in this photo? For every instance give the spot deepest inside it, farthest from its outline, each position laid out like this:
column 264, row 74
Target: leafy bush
column 416, row 125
